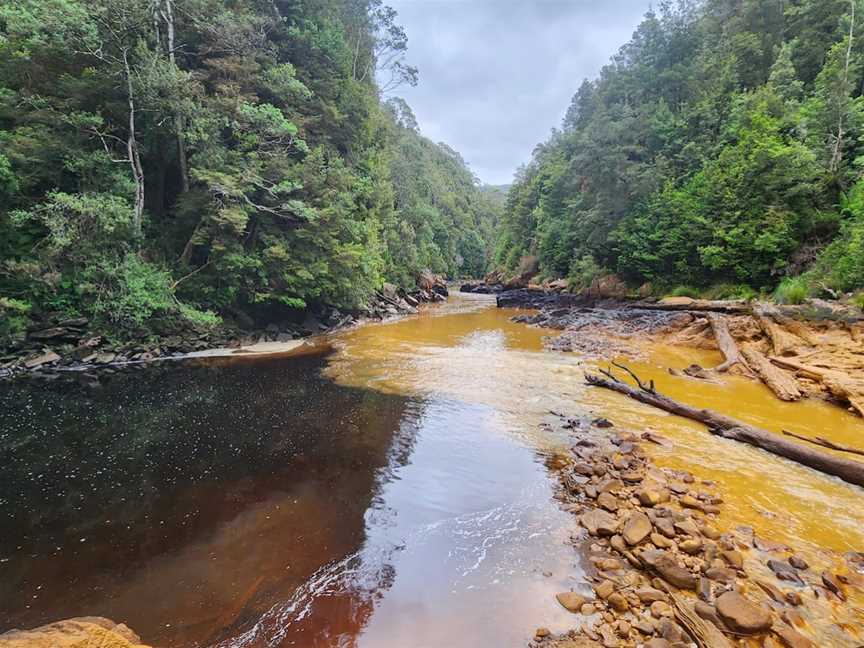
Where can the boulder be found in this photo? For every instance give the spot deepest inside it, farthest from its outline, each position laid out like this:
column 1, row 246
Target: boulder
column 45, row 358
column 81, row 632
column 599, row 523
column 672, row 572
column 741, row 615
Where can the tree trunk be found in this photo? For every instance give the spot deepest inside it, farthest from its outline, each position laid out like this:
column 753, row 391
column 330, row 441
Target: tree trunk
column 179, row 120
column 729, row 428
column 727, row 345
column 839, row 384
column 784, row 386
column 688, row 304
column 133, row 153
column 837, row 154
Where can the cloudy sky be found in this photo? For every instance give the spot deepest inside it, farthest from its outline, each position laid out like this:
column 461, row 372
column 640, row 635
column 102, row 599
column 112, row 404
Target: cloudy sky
column 497, row 75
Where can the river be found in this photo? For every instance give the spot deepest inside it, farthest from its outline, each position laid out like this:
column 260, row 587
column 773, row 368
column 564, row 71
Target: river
column 389, row 489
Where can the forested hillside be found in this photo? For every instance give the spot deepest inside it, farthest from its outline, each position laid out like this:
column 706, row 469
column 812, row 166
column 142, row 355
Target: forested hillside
column 192, row 159
column 722, row 145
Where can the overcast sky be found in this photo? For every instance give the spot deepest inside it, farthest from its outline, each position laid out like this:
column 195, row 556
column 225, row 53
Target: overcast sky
column 497, row 75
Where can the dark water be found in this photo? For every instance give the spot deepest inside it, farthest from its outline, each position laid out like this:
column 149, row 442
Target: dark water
column 262, row 504
column 177, row 499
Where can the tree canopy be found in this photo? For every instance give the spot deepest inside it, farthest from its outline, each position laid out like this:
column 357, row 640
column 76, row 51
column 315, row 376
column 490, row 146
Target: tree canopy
column 192, row 158
column 722, row 144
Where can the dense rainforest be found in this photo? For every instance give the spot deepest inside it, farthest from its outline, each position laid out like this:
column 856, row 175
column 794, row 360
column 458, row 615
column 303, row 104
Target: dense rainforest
column 192, row 160
column 720, row 151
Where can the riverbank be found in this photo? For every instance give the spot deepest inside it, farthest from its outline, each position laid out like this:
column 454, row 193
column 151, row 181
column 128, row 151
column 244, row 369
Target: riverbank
column 668, row 565
column 55, row 344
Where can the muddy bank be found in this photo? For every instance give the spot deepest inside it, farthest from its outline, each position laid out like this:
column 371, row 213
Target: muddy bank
column 667, row 567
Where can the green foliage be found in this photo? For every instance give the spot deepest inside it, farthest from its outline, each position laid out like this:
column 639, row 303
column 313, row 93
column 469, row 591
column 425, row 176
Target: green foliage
column 271, row 174
column 858, row 300
column 792, row 290
column 13, row 317
column 713, row 149
column 685, row 291
column 730, row 291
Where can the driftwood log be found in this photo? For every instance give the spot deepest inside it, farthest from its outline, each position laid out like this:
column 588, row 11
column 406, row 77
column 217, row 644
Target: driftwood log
column 706, row 635
column 729, row 428
column 728, row 347
column 783, row 384
column 839, row 384
column 705, row 305
column 825, row 443
column 782, row 341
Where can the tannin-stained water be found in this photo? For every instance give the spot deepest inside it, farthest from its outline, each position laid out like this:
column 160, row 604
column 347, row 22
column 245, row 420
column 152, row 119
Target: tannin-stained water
column 390, row 493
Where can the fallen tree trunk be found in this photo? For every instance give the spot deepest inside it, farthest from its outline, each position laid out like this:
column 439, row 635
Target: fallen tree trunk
column 839, row 384
column 727, row 346
column 729, row 428
column 825, row 443
column 794, row 326
column 688, row 304
column 784, row 386
column 782, row 341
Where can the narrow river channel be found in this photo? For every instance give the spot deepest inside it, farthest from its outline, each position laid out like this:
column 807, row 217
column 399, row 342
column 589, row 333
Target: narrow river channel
column 388, row 490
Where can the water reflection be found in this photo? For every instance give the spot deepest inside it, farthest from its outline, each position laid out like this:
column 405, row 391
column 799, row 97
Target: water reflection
column 185, row 501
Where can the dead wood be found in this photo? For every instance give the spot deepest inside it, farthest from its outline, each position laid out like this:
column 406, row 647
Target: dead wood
column 782, row 341
column 727, row 345
column 730, row 428
column 704, row 305
column 839, row 384
column 784, row 385
column 825, row 443
column 706, row 635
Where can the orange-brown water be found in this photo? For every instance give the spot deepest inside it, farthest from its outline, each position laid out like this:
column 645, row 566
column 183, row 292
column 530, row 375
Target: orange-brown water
column 389, row 494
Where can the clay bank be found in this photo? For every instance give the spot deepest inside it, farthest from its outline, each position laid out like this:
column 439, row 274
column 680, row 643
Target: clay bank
column 448, row 478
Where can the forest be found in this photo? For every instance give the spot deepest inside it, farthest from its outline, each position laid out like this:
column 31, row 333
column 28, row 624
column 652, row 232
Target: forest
column 187, row 162
column 718, row 153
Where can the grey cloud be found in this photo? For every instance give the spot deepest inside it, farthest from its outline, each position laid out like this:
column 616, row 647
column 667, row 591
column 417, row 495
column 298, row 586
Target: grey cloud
column 496, row 76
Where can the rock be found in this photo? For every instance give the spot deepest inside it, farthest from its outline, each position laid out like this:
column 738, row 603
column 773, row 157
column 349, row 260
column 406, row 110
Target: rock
column 618, row 602
column 708, row 612
column 599, row 523
column 657, row 642
column 49, row 334
column 80, row 632
column 785, row 571
column 48, row 357
column 608, row 502
column 672, row 572
column 661, row 542
column 666, row 527
column 833, row 585
column 571, row 601
column 636, row 529
column 798, row 563
column 602, row 423
column 793, row 598
column 772, row 591
column 608, row 637
column 652, row 497
column 588, row 609
column 690, row 502
column 709, row 532
column 692, row 546
column 687, row 527
column 649, row 594
column 733, row 557
column 791, row 638
column 106, row 357
column 605, row 589
column 721, row 575
column 660, row 609
column 742, row 616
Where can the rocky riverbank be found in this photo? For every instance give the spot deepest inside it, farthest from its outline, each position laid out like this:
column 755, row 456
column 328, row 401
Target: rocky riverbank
column 668, row 568
column 54, row 344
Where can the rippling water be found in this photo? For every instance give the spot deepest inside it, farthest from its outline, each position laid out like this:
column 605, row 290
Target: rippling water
column 388, row 492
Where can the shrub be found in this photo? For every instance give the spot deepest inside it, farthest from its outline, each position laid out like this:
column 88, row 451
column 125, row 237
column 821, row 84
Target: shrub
column 858, row 300
column 731, row 291
column 792, row 290
column 13, row 317
column 685, row 291
column 583, row 271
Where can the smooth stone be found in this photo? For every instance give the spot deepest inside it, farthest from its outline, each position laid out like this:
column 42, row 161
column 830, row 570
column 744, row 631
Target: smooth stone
column 785, row 571
column 636, row 529
column 674, row 573
column 734, row 558
column 741, row 615
column 649, row 595
column 571, row 601
column 618, row 602
column 605, row 589
column 608, row 502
